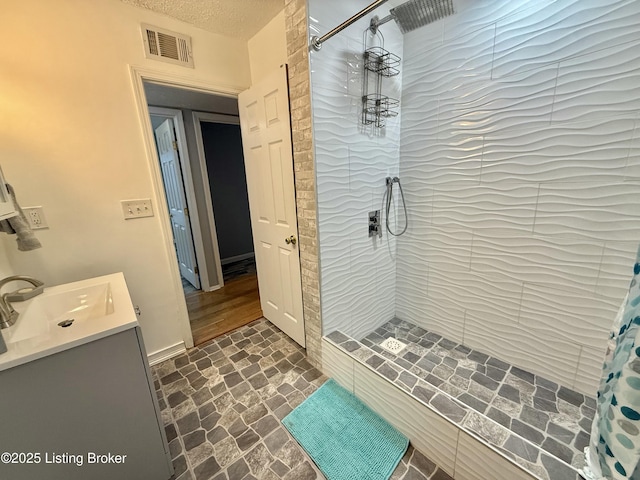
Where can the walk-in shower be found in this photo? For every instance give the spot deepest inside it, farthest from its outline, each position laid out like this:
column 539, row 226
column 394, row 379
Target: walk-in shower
column 515, row 144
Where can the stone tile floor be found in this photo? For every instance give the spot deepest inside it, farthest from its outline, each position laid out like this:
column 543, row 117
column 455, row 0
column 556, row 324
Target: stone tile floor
column 532, row 421
column 547, row 414
column 222, row 404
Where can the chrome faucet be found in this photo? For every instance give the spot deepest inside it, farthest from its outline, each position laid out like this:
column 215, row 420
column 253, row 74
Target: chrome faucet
column 8, row 315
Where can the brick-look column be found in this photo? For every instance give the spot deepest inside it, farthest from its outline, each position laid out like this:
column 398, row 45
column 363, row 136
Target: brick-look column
column 305, row 179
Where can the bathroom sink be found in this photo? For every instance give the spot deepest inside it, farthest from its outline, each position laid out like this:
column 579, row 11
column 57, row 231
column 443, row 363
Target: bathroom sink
column 75, row 378
column 48, row 310
column 66, row 316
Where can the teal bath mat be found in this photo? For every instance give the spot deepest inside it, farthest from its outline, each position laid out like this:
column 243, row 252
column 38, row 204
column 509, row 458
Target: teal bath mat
column 345, row 438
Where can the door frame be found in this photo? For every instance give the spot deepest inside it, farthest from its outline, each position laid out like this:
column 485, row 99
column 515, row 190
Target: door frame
column 199, row 117
column 194, row 218
column 138, row 76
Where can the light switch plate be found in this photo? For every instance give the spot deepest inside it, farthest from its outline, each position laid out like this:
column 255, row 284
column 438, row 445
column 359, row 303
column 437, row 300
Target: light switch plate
column 137, row 208
column 35, row 217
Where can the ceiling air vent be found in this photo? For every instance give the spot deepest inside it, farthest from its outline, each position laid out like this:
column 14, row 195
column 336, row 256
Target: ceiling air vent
column 167, row 46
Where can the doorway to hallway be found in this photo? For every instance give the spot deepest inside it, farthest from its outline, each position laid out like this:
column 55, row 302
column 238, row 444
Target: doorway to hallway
column 209, row 168
column 265, row 127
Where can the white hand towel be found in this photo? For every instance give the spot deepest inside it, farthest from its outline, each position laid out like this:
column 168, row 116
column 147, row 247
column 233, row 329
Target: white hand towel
column 19, row 225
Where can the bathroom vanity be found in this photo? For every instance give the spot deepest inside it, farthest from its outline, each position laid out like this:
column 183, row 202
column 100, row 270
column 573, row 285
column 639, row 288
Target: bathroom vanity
column 78, row 401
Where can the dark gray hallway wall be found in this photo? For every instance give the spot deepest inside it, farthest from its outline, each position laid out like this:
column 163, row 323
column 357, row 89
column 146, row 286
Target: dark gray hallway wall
column 228, row 183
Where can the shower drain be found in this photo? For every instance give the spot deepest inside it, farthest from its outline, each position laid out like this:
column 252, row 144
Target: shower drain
column 392, row 345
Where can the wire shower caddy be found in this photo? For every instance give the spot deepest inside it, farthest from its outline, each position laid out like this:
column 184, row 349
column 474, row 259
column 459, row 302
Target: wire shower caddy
column 379, row 63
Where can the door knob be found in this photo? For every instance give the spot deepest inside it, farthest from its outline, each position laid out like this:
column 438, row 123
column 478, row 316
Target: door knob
column 291, row 240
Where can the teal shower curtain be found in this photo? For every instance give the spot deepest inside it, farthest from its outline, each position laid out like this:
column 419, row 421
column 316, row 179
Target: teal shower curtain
column 614, row 450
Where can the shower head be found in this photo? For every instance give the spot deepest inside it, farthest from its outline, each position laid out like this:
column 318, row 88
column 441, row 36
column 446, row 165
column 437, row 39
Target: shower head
column 409, row 16
column 414, row 14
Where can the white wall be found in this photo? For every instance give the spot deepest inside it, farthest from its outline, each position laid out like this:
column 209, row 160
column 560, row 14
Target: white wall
column 66, row 64
column 521, row 152
column 358, row 273
column 268, row 48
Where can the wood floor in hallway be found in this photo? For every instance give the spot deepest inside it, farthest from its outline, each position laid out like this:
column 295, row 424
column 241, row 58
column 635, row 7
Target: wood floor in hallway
column 215, row 313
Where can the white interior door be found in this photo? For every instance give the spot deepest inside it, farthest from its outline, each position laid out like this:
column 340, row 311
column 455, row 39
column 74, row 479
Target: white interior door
column 266, row 140
column 177, row 201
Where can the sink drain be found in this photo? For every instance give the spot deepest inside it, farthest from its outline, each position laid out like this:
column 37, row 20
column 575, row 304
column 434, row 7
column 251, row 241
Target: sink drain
column 66, row 323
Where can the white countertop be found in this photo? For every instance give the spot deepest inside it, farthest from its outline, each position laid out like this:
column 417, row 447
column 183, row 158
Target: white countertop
column 55, row 339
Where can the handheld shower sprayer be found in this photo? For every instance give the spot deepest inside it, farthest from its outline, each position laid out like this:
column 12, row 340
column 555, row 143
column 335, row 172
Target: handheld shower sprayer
column 389, row 193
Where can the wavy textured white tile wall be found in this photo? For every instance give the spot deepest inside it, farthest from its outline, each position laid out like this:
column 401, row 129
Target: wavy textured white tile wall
column 589, row 367
column 571, row 263
column 480, row 105
column 632, row 171
column 606, row 82
column 337, row 365
column 585, row 318
column 520, row 154
column 616, row 269
column 562, row 29
column 509, row 207
column 467, row 58
column 547, row 355
column 472, row 15
column 589, row 210
column 493, row 294
column 458, row 161
column 586, row 152
column 357, row 272
column 429, row 433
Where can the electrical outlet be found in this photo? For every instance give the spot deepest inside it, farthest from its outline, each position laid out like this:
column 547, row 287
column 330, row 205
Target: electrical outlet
column 137, row 208
column 35, row 217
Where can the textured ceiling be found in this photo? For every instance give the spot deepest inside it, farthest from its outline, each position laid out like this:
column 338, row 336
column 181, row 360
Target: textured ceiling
column 233, row 18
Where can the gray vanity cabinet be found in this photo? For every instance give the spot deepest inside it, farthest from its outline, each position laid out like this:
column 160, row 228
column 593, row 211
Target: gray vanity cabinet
column 93, row 399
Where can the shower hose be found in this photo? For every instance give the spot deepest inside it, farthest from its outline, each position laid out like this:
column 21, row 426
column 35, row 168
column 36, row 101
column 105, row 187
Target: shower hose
column 390, row 181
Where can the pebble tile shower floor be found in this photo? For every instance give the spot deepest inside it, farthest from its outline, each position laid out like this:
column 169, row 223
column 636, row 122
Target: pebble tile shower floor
column 222, row 404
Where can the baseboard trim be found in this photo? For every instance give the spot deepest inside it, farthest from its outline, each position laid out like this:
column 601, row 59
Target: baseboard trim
column 166, row 353
column 237, row 258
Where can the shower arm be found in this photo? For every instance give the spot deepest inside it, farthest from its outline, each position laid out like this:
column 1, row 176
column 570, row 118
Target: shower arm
column 376, row 22
column 316, row 42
